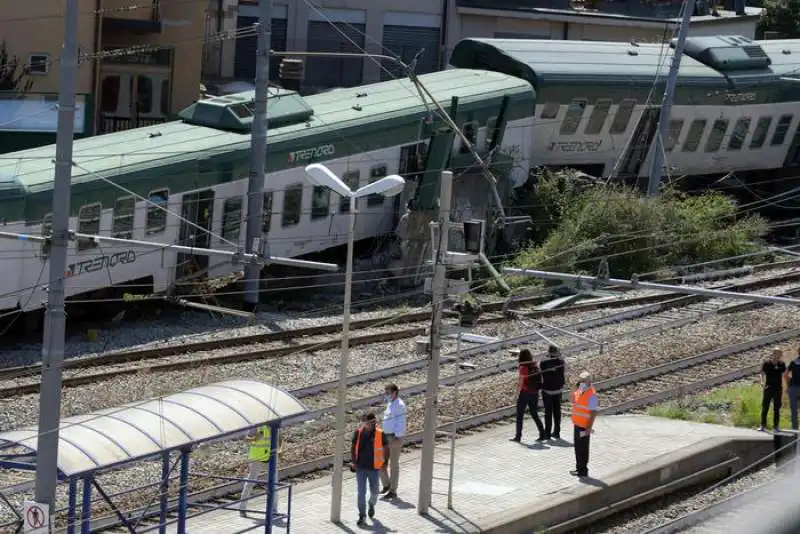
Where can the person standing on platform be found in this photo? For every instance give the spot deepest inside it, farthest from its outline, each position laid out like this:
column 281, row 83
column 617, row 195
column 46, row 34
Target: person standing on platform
column 369, row 444
column 258, row 465
column 772, row 373
column 793, row 378
column 584, row 411
column 553, row 368
column 394, row 428
column 530, row 380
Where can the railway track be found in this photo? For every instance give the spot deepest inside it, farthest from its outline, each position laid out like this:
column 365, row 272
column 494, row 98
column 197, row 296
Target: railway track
column 625, row 393
column 665, row 311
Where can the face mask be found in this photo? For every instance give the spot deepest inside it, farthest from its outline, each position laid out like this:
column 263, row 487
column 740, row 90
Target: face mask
column 387, row 398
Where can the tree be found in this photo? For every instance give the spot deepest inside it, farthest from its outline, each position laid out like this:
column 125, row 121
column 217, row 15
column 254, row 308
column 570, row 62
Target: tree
column 782, row 17
column 13, row 75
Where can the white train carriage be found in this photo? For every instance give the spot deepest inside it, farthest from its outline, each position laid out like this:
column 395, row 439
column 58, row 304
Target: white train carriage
column 197, row 168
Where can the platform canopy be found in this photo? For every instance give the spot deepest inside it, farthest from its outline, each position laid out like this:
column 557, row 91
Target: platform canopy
column 138, row 431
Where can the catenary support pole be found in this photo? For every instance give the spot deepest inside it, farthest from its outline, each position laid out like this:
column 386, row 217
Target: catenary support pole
column 338, row 453
column 431, row 389
column 654, row 183
column 258, row 157
column 55, row 315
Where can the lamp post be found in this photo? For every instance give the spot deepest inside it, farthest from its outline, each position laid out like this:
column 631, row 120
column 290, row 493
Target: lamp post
column 388, row 186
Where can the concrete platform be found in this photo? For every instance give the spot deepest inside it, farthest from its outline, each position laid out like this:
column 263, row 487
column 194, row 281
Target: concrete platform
column 501, row 486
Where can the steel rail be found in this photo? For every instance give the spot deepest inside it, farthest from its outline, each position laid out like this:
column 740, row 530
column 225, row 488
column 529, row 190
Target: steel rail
column 150, row 353
column 663, row 303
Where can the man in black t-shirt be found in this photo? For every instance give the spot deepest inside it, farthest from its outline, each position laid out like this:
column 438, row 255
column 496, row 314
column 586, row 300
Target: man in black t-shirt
column 793, row 378
column 772, row 383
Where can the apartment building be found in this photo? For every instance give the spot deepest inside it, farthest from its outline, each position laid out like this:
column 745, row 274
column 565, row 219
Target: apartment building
column 435, row 26
column 140, row 63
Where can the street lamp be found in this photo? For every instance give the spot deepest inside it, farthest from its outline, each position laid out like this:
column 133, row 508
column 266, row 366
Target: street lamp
column 320, row 175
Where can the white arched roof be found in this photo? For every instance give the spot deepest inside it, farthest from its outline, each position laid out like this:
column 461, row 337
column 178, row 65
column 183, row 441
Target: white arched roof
column 138, row 430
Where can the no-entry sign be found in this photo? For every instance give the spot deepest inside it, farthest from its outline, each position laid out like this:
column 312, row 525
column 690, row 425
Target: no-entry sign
column 36, row 517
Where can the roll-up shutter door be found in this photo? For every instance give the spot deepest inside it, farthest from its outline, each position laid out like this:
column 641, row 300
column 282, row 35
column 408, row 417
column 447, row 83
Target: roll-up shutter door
column 244, row 66
column 405, row 42
column 335, row 72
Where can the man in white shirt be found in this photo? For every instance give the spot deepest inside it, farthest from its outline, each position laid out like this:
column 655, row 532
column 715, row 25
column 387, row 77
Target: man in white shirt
column 394, row 427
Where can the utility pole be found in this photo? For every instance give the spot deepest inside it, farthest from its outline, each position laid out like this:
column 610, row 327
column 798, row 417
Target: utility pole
column 258, row 157
column 654, row 183
column 439, row 292
column 55, row 316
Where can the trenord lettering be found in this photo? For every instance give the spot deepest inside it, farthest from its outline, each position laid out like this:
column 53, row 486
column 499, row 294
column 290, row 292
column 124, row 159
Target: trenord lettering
column 311, row 153
column 101, row 262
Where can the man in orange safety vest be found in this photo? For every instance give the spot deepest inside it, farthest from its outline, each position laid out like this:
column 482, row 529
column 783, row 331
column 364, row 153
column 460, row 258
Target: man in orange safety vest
column 584, row 411
column 369, row 444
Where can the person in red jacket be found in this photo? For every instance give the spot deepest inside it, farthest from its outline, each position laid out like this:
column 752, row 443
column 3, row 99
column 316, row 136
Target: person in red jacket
column 530, row 380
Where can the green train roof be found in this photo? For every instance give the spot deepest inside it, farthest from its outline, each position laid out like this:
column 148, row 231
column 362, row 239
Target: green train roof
column 550, row 63
column 785, row 56
column 357, row 119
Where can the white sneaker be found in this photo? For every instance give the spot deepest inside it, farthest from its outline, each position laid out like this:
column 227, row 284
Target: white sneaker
column 761, row 429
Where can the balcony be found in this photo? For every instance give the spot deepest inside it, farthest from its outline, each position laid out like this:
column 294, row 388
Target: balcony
column 118, row 124
column 143, row 17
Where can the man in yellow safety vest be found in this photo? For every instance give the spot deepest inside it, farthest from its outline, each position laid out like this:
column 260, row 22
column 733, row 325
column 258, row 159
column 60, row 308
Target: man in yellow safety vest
column 584, row 411
column 258, row 465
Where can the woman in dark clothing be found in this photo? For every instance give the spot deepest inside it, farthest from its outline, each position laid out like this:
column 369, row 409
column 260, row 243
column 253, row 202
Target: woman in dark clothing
column 530, row 380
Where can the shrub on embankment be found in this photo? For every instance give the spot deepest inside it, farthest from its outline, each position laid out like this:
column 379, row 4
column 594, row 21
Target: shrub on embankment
column 576, row 223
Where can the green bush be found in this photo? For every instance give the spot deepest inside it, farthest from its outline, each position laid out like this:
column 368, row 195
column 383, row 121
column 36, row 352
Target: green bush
column 636, row 235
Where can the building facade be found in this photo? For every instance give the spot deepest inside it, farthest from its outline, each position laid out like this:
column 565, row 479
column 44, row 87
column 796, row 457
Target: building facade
column 434, row 27
column 140, row 63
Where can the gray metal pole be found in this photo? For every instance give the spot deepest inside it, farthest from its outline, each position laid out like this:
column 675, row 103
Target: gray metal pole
column 654, row 183
column 431, row 389
column 55, row 316
column 718, row 293
column 258, row 157
column 454, row 426
column 338, row 452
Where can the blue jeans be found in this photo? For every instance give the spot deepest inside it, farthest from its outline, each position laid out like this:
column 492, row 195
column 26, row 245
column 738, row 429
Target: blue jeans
column 362, row 476
column 794, row 393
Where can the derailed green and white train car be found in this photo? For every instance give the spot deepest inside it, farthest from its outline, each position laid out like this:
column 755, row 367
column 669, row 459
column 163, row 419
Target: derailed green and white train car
column 198, row 166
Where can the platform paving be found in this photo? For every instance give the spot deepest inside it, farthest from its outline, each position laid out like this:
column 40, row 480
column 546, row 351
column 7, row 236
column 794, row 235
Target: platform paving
column 492, row 475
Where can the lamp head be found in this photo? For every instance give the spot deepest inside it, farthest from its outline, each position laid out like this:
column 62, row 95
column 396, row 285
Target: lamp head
column 322, row 176
column 387, row 186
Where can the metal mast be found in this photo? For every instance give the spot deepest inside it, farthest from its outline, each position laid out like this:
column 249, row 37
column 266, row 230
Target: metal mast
column 258, row 157
column 654, row 183
column 55, row 316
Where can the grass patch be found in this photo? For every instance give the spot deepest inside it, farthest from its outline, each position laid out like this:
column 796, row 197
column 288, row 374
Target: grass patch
column 737, row 405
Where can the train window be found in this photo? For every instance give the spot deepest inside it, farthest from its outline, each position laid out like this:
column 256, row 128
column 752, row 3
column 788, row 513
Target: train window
column 572, row 118
column 89, row 223
column 623, row 116
column 320, row 202
column 470, row 131
column 124, row 209
column 491, row 127
column 156, row 214
column 232, row 219
column 598, row 117
column 351, row 179
column 695, row 135
column 781, row 130
column 739, row 134
column 377, row 172
column 292, row 204
column 760, row 133
column 550, row 110
column 673, row 134
column 717, row 135
column 266, row 221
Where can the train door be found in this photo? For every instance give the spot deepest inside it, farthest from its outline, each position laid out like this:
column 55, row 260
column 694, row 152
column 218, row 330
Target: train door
column 197, row 208
column 639, row 144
